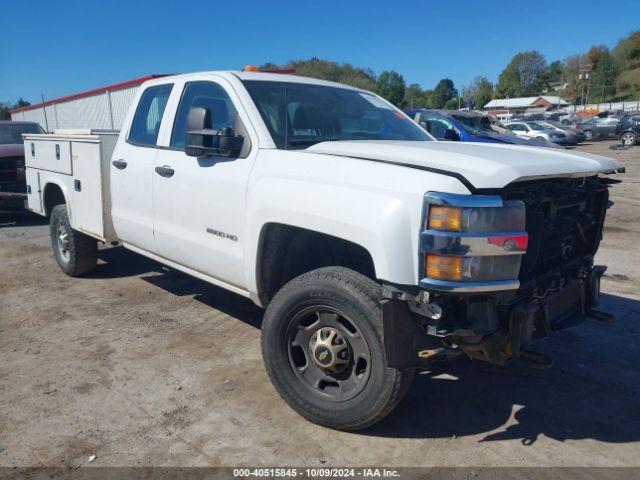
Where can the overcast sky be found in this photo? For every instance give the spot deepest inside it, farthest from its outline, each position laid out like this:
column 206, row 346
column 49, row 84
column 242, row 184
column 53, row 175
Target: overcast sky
column 60, row 48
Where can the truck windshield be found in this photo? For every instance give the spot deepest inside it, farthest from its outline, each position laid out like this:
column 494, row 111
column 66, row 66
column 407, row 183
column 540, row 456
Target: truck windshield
column 299, row 115
column 11, row 133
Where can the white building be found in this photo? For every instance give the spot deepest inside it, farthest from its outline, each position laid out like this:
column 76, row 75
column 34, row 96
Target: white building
column 101, row 108
column 527, row 104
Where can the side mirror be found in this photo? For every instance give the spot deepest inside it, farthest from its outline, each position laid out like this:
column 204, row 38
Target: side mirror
column 202, row 139
column 451, row 134
column 424, row 125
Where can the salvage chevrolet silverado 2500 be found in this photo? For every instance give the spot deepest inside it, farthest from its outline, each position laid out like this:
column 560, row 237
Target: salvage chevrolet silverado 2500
column 374, row 249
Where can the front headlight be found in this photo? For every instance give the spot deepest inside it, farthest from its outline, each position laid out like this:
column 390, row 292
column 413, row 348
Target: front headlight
column 508, row 217
column 472, row 242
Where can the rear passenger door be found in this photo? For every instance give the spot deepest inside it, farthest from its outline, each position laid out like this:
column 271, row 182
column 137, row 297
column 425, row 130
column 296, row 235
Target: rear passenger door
column 132, row 165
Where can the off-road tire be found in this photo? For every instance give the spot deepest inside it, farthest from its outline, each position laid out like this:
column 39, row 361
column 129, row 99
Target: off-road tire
column 82, row 249
column 359, row 298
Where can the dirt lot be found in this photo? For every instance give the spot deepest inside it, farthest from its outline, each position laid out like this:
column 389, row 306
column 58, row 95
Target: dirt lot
column 141, row 365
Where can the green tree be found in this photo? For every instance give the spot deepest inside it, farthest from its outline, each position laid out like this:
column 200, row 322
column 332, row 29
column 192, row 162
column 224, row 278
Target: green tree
column 627, row 51
column 479, row 93
column 328, row 70
column 4, row 111
column 452, row 104
column 554, row 71
column 413, row 97
column 603, row 76
column 391, row 86
column 524, row 75
column 444, row 91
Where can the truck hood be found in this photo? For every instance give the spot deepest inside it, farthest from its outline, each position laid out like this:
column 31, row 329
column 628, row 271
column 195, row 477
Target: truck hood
column 477, row 165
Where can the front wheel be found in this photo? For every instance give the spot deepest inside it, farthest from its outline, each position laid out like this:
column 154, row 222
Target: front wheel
column 323, row 348
column 628, row 139
column 75, row 252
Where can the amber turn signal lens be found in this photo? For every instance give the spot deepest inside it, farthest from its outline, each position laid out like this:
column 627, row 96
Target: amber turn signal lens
column 444, row 268
column 445, row 218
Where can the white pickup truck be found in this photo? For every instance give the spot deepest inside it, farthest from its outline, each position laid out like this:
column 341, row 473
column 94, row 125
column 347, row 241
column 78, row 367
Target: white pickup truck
column 374, row 249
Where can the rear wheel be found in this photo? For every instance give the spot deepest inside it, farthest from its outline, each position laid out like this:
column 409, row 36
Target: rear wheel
column 75, row 252
column 628, row 139
column 323, row 349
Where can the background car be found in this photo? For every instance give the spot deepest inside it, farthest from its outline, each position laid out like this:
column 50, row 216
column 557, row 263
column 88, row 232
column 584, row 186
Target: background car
column 599, row 128
column 538, row 131
column 12, row 174
column 574, row 135
column 628, row 129
column 469, row 127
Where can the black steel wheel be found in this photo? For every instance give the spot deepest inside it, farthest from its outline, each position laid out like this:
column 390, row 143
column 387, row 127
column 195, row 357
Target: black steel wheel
column 323, row 349
column 75, row 252
column 328, row 353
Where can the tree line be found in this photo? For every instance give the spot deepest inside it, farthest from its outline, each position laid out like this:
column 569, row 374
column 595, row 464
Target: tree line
column 5, row 107
column 599, row 75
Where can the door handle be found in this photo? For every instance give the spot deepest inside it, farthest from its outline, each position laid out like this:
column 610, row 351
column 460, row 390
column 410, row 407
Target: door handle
column 165, row 171
column 119, row 164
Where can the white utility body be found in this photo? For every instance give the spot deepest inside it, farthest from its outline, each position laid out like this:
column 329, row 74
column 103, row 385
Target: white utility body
column 78, row 162
column 366, row 240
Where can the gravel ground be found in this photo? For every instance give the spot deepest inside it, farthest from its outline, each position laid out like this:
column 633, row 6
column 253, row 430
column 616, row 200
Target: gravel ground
column 141, row 365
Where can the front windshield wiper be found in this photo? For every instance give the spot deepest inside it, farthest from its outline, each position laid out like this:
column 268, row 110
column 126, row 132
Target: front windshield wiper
column 310, row 141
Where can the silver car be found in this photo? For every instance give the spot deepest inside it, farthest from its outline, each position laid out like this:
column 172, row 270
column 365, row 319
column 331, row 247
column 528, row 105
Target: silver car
column 536, row 130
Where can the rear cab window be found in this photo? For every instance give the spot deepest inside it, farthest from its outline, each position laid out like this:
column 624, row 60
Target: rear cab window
column 145, row 126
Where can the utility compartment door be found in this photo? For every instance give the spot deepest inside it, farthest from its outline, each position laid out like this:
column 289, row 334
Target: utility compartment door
column 34, row 193
column 87, row 214
column 51, row 155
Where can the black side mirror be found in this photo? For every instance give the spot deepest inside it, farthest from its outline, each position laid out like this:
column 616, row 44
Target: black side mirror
column 451, row 134
column 202, row 139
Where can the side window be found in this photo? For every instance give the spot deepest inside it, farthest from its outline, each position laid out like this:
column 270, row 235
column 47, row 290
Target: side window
column 207, row 95
column 146, row 121
column 514, row 127
column 436, row 126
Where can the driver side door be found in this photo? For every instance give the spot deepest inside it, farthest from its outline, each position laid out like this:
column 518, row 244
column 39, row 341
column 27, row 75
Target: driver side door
column 199, row 203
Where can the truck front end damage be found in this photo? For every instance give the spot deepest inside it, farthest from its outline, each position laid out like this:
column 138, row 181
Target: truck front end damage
column 499, row 271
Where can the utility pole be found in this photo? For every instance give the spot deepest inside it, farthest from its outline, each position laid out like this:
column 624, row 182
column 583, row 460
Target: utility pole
column 44, row 109
column 584, row 73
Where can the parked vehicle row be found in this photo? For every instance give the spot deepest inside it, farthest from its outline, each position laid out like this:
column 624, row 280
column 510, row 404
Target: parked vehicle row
column 539, row 131
column 599, row 128
column 466, row 126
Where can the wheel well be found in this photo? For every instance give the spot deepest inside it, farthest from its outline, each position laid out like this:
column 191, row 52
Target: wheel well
column 52, row 196
column 285, row 252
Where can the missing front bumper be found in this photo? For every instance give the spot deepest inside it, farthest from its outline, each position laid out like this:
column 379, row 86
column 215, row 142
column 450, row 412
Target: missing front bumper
column 405, row 337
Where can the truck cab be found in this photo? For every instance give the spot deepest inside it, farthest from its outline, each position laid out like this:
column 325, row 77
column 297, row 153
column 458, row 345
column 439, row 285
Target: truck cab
column 374, row 249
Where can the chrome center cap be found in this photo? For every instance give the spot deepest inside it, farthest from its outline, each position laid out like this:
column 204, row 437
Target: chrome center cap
column 329, row 350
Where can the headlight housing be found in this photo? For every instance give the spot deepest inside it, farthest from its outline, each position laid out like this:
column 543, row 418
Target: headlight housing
column 472, row 243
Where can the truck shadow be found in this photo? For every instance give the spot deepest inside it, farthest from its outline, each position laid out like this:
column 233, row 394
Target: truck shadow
column 119, row 262
column 592, row 391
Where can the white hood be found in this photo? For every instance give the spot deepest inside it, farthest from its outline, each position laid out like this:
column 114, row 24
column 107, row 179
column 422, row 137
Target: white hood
column 482, row 165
